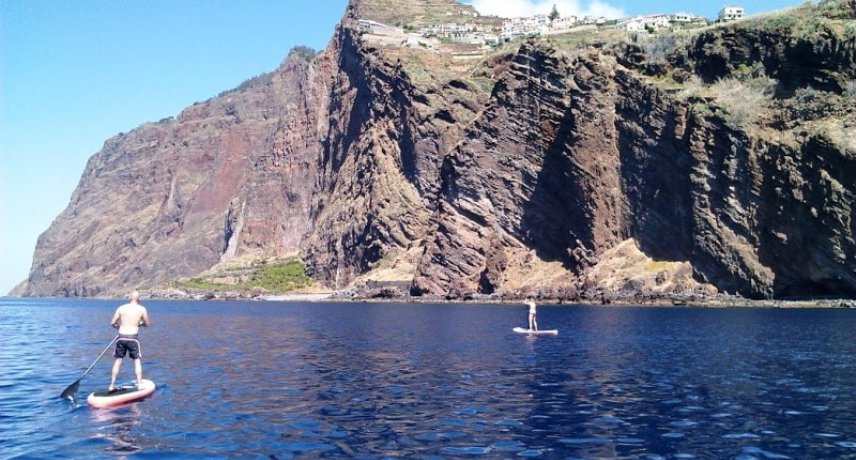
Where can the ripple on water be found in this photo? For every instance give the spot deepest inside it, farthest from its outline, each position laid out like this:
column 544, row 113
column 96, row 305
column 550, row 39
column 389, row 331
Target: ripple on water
column 336, row 434
column 305, row 425
column 451, row 421
column 582, row 441
column 683, row 423
column 609, row 420
column 741, row 436
column 468, row 450
column 461, row 392
column 396, row 389
column 469, row 410
column 333, row 411
column 434, row 436
column 507, row 445
column 755, row 451
column 509, row 422
column 305, row 447
column 479, row 426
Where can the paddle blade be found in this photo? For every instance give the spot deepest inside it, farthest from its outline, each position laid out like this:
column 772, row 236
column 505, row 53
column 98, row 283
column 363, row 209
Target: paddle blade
column 70, row 392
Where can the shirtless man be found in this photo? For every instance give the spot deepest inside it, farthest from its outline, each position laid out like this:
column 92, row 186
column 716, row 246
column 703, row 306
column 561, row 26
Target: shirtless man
column 128, row 319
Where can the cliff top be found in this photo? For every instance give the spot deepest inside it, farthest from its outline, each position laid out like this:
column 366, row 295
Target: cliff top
column 410, row 13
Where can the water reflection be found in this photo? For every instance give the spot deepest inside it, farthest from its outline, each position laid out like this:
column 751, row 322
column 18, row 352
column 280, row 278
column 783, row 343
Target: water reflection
column 118, row 426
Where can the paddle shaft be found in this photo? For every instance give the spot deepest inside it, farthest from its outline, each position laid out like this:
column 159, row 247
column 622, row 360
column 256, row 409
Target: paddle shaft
column 98, row 358
column 72, row 389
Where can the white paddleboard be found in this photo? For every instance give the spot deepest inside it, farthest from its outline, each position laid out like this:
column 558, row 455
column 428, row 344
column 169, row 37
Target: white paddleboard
column 521, row 330
column 122, row 395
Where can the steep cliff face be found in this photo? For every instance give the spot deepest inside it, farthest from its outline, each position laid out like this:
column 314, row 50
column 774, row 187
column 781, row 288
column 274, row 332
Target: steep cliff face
column 760, row 212
column 367, row 202
column 170, row 199
column 572, row 157
column 388, row 133
column 718, row 161
column 760, row 204
column 531, row 173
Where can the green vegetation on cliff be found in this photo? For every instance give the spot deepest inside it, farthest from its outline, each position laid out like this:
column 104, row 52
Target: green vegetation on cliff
column 280, row 277
column 277, row 276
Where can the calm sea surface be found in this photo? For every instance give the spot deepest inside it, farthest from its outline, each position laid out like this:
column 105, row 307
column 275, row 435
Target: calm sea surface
column 305, row 380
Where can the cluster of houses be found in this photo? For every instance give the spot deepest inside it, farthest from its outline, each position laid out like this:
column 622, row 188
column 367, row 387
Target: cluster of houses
column 489, row 33
column 512, row 28
column 473, row 33
column 655, row 22
column 542, row 24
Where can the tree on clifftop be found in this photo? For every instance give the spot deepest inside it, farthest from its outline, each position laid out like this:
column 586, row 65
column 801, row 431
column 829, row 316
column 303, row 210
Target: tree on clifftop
column 554, row 14
column 303, row 52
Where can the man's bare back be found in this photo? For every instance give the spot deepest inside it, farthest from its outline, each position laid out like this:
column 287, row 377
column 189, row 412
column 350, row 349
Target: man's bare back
column 129, row 317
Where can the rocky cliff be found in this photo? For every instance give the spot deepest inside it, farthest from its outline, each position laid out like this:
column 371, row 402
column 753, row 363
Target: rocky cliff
column 171, row 199
column 720, row 160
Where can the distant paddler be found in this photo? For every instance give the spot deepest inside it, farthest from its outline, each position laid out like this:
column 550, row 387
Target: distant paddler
column 533, row 324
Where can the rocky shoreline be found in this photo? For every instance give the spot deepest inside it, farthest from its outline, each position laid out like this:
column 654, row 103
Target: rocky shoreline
column 598, row 298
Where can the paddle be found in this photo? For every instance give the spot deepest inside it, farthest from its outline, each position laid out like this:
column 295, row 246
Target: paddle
column 69, row 392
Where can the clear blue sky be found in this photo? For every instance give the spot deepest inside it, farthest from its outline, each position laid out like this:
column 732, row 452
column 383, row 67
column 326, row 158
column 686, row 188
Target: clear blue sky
column 74, row 73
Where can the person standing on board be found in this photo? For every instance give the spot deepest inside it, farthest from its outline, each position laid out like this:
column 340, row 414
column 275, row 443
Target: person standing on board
column 128, row 319
column 533, row 325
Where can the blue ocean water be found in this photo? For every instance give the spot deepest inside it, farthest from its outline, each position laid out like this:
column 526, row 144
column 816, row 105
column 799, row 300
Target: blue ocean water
column 308, row 380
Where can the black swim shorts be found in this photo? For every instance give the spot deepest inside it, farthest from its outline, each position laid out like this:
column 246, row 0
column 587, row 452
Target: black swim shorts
column 129, row 344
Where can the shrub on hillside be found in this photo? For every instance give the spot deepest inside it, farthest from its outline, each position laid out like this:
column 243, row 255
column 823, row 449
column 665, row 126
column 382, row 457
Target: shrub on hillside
column 303, row 52
column 837, row 9
column 741, row 99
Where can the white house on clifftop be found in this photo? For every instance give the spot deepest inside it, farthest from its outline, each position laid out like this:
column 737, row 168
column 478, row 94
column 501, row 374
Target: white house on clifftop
column 731, row 13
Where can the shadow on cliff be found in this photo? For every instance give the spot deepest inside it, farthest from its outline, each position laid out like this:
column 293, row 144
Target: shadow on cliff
column 358, row 109
column 810, row 247
column 558, row 213
column 656, row 187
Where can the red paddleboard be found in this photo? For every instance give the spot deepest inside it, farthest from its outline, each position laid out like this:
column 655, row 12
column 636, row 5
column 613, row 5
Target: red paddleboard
column 122, row 395
column 521, row 330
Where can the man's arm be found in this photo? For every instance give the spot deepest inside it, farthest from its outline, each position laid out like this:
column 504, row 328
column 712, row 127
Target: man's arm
column 115, row 321
column 145, row 319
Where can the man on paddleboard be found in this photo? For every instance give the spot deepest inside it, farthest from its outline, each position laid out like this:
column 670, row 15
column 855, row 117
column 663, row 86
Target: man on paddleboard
column 128, row 319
